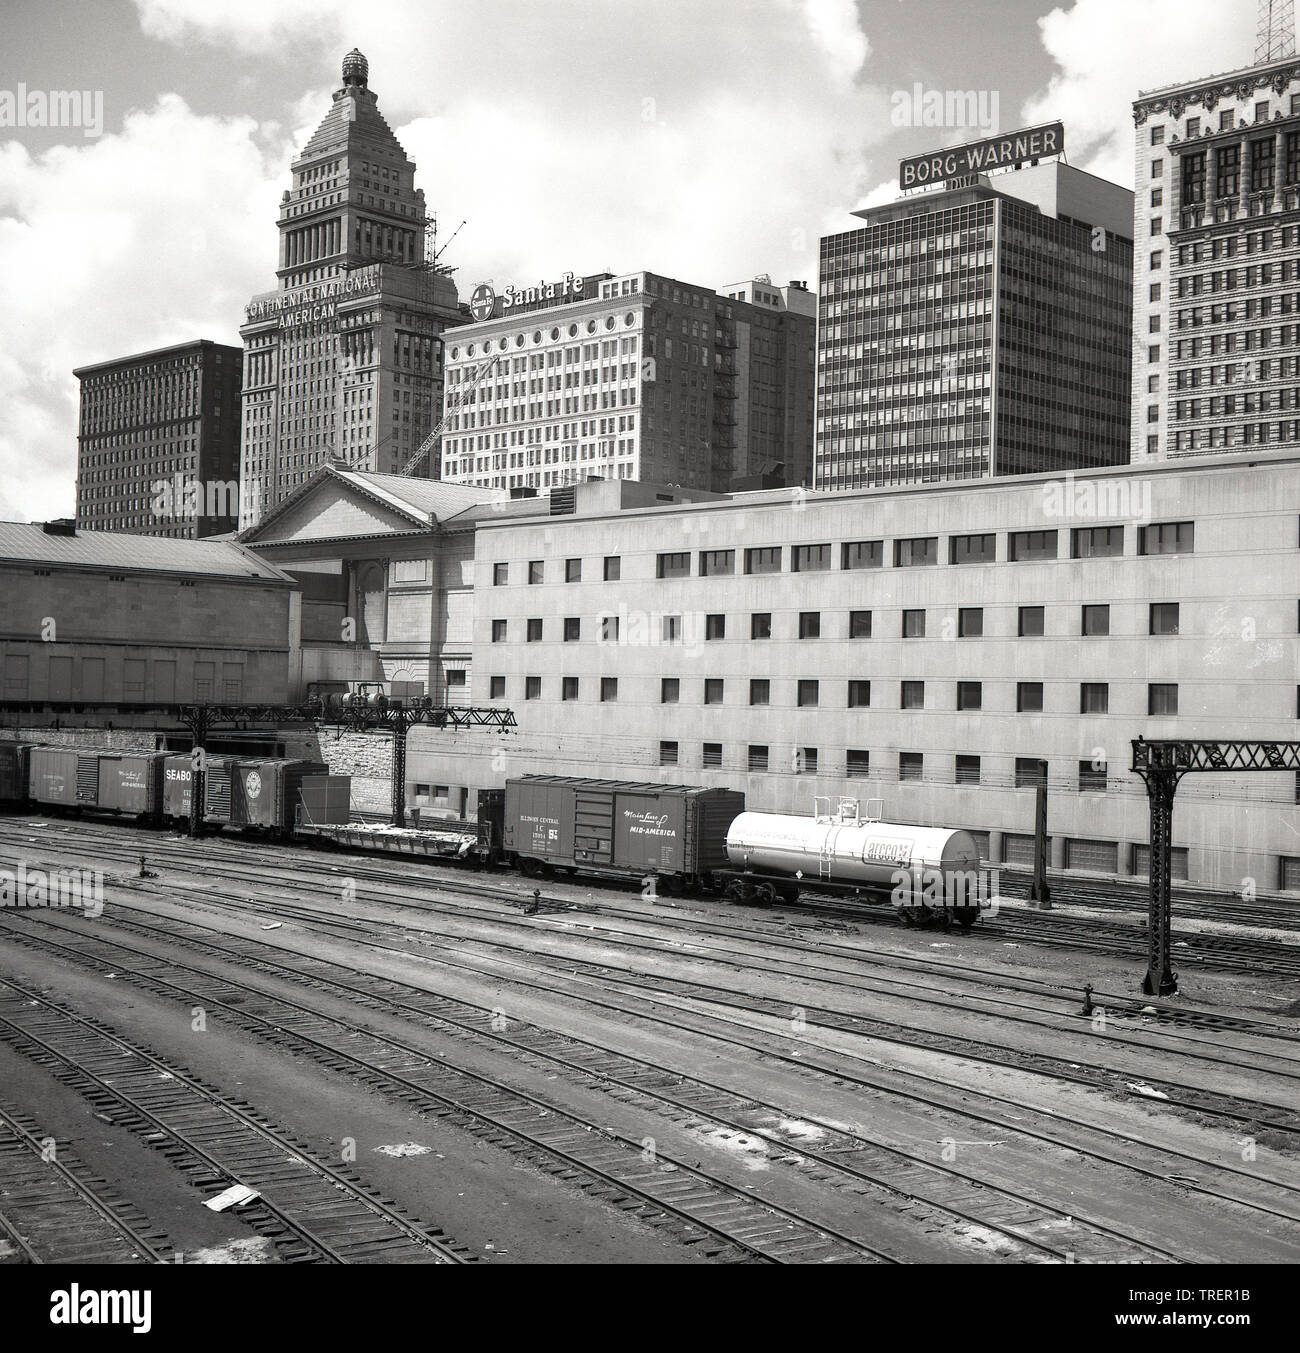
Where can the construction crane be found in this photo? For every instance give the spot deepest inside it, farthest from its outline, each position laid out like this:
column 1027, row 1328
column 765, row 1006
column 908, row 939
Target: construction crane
column 453, row 408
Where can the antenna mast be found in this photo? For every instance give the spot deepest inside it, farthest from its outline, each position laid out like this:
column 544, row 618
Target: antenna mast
column 1275, row 30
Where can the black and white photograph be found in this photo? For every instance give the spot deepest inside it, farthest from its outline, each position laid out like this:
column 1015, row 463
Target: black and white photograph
column 650, row 633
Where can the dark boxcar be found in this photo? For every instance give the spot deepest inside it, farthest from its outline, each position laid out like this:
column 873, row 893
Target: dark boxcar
column 257, row 793
column 131, row 782
column 619, row 825
column 13, row 773
column 178, row 781
column 64, row 775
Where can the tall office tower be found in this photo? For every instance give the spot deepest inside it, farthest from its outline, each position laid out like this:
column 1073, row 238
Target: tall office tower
column 978, row 329
column 632, row 377
column 158, row 442
column 343, row 360
column 1216, row 305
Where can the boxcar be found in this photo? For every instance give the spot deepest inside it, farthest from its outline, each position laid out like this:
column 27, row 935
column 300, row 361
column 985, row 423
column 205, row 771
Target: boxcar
column 676, row 832
column 178, row 781
column 263, row 794
column 66, row 776
column 13, row 773
column 131, row 782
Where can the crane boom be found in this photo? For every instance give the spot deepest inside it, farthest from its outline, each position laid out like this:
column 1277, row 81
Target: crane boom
column 453, row 407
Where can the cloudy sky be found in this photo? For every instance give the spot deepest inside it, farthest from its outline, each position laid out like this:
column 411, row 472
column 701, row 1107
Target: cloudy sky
column 707, row 139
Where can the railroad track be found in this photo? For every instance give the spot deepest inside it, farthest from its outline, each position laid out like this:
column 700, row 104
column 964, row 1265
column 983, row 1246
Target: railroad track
column 53, row 1210
column 312, row 1211
column 704, row 1210
column 948, row 1190
column 462, row 883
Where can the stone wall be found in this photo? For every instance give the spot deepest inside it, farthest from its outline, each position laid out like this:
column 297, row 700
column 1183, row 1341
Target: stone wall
column 368, row 759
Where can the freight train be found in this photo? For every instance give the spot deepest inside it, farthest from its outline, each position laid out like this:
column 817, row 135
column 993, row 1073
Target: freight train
column 673, row 838
column 256, row 794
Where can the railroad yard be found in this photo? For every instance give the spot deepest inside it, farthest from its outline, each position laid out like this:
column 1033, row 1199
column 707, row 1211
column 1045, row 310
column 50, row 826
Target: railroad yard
column 407, row 1062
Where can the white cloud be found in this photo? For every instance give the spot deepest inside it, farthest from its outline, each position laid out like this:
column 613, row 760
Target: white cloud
column 834, row 27
column 252, row 24
column 1107, row 51
column 153, row 236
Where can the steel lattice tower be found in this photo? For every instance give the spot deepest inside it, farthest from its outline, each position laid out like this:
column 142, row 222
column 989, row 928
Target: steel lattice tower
column 1275, row 30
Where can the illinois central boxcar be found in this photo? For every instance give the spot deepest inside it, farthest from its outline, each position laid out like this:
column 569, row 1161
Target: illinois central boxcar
column 672, row 832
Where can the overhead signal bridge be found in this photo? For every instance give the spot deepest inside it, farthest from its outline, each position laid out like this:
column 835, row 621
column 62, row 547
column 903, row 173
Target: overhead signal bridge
column 1162, row 763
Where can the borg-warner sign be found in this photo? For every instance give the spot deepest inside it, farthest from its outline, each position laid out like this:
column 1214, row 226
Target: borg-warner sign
column 303, row 304
column 977, row 157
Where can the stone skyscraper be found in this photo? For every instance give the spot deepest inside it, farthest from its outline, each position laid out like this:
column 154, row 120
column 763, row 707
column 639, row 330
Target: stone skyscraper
column 343, row 360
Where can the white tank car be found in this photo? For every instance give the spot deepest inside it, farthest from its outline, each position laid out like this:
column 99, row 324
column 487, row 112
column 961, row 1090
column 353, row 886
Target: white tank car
column 862, row 853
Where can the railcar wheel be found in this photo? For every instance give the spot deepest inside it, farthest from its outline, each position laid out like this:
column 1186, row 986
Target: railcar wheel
column 531, row 867
column 765, row 895
column 967, row 917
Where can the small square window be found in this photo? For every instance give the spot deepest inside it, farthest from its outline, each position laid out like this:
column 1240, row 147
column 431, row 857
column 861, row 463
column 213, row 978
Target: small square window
column 534, row 634
column 608, row 689
column 573, row 570
column 569, row 688
column 912, row 695
column 1162, row 698
column 1029, row 697
column 1031, row 621
column 859, row 694
column 613, row 568
column 970, row 622
column 670, row 690
column 760, row 691
column 1095, row 620
column 970, row 695
column 1029, row 772
column 760, row 625
column 1164, row 617
column 911, row 765
column 810, row 624
column 857, row 764
column 536, row 570
column 757, row 757
column 532, row 688
column 496, row 688
column 572, row 628
column 913, row 624
column 859, row 624
column 667, row 753
column 715, row 627
column 498, row 631
column 609, row 629
column 500, row 574
column 712, row 755
column 1094, row 698
column 967, row 770
column 808, row 694
column 713, row 690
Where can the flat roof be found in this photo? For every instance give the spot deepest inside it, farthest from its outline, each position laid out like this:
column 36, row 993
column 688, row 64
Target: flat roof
column 758, row 498
column 156, row 354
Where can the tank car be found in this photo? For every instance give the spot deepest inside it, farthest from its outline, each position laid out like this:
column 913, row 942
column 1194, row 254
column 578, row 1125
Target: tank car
column 924, row 870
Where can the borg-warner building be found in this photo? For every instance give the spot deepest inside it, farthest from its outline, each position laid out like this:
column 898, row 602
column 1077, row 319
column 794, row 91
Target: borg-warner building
column 977, row 329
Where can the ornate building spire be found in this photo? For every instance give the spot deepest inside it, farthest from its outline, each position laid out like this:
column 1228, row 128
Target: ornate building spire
column 356, row 69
